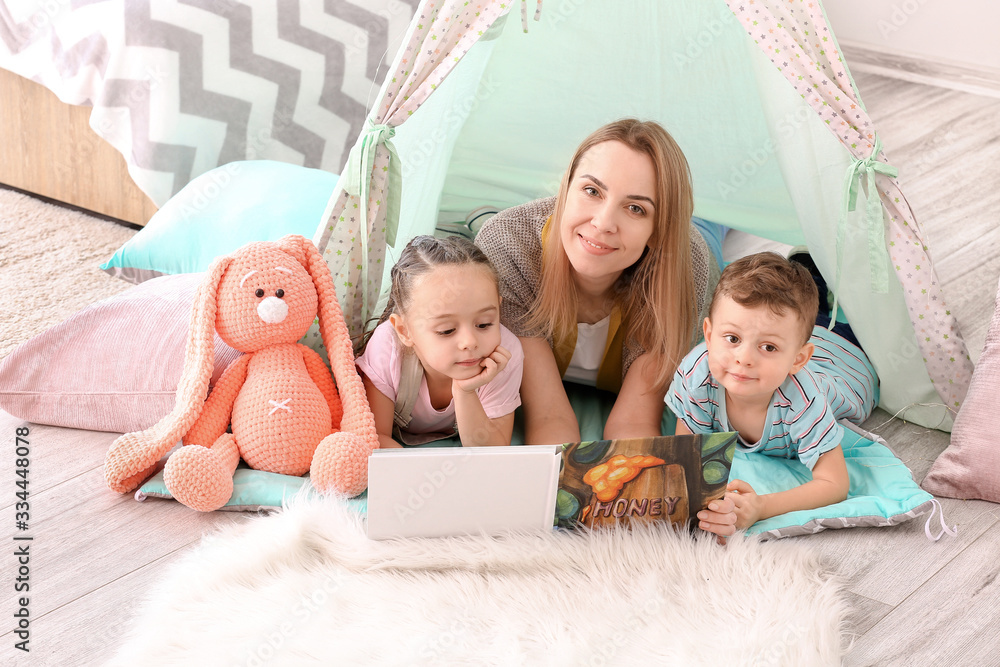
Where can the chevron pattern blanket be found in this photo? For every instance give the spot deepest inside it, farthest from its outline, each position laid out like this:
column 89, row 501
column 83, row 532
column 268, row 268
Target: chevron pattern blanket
column 182, row 86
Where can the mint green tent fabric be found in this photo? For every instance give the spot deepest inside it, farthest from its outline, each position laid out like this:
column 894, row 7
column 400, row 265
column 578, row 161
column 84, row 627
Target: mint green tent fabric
column 499, row 130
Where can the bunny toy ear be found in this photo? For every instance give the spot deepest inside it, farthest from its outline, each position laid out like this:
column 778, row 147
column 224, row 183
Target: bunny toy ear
column 133, row 454
column 357, row 415
column 357, row 418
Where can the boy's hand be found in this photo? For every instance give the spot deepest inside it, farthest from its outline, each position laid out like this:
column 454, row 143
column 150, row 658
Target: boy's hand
column 749, row 506
column 720, row 518
column 492, row 365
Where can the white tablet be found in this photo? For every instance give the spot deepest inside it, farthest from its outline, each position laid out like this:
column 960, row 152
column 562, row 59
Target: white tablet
column 440, row 491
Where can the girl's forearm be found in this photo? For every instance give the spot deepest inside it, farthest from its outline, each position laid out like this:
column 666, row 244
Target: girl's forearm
column 382, row 409
column 475, row 428
column 386, row 442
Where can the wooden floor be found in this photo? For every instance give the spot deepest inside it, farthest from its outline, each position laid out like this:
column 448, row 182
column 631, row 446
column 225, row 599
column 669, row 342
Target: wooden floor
column 915, row 602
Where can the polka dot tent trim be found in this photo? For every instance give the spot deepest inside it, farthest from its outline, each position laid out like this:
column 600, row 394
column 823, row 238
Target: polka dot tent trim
column 445, row 31
column 796, row 38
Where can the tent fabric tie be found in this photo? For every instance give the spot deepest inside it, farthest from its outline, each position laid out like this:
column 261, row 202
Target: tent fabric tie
column 877, row 255
column 359, row 184
column 524, row 13
column 936, row 506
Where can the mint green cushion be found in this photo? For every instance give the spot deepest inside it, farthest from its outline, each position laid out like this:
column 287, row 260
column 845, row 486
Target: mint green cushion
column 882, row 491
column 221, row 210
column 253, row 490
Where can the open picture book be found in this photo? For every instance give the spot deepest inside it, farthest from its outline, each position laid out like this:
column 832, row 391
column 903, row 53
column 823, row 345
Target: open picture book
column 666, row 478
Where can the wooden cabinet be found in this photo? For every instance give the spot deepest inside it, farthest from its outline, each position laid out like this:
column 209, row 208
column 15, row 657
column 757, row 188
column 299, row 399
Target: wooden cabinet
column 47, row 148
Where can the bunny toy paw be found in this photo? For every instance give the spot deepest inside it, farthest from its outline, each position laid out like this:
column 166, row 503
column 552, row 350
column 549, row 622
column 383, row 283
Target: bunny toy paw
column 202, row 478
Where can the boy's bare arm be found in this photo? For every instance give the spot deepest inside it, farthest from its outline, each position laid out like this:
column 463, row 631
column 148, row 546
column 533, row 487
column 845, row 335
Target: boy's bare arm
column 829, row 485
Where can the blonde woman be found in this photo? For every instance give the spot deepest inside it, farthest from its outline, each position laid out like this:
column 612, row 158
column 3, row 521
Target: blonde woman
column 605, row 283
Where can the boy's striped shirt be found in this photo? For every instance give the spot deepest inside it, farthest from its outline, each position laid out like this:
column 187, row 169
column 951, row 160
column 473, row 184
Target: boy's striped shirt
column 838, row 382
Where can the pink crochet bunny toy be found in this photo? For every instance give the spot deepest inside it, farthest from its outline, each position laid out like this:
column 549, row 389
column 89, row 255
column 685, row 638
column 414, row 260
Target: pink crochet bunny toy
column 286, row 414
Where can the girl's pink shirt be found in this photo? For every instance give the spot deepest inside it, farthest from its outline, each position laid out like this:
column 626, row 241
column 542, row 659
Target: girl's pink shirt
column 382, row 361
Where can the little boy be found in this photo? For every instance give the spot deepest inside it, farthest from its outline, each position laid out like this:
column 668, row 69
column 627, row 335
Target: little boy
column 766, row 372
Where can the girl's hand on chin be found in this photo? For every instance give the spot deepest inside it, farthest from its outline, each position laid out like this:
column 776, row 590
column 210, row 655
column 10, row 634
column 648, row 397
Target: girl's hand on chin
column 492, row 365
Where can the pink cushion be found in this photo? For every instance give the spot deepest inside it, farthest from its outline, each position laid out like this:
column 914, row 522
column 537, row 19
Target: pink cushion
column 113, row 366
column 970, row 466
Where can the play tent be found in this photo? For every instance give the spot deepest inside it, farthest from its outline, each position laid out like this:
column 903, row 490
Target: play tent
column 481, row 108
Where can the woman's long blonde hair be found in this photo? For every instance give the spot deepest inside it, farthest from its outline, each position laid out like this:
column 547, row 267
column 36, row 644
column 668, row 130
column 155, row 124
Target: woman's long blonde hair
column 656, row 294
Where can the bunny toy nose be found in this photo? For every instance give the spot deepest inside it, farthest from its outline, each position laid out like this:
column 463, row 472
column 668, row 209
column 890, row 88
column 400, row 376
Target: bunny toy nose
column 272, row 310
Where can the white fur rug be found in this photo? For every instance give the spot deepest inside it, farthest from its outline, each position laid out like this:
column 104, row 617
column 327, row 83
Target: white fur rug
column 307, row 587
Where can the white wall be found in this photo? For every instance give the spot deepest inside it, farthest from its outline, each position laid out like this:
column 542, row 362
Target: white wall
column 956, row 32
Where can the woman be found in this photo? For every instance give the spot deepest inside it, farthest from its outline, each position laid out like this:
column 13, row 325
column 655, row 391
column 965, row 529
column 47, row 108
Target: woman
column 604, row 283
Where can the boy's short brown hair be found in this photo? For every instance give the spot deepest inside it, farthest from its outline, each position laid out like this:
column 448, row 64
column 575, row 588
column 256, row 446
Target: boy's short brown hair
column 768, row 279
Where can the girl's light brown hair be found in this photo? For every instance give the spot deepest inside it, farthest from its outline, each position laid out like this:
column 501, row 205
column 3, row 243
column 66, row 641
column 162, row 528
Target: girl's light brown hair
column 420, row 256
column 656, row 294
column 768, row 279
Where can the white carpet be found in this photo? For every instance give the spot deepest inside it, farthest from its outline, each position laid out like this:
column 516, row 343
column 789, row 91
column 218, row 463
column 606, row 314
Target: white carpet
column 49, row 259
column 307, row 587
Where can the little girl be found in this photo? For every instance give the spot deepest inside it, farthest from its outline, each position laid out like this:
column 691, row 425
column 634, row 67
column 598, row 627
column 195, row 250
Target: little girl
column 439, row 360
